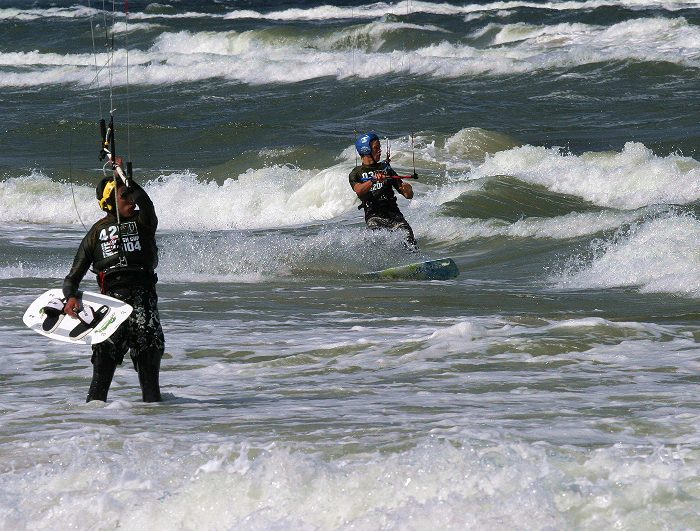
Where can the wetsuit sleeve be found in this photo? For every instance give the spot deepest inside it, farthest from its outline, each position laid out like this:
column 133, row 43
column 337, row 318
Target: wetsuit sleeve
column 147, row 212
column 81, row 264
column 354, row 178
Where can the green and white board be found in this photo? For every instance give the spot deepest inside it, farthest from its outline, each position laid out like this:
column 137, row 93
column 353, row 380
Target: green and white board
column 99, row 318
column 443, row 269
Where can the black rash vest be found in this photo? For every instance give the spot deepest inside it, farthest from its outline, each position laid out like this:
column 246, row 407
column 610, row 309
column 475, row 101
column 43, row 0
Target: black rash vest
column 99, row 248
column 380, row 200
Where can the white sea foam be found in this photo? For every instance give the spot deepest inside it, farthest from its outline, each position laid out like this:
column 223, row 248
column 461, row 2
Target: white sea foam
column 379, row 9
column 268, row 197
column 15, row 13
column 36, row 198
column 256, row 57
column 123, row 27
column 658, row 256
column 83, row 478
column 285, row 196
column 632, row 178
column 57, row 269
column 330, row 12
column 569, row 226
column 35, row 58
column 648, row 39
column 260, row 198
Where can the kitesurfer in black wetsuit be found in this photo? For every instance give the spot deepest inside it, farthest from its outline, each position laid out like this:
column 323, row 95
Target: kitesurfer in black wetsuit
column 124, row 256
column 374, row 185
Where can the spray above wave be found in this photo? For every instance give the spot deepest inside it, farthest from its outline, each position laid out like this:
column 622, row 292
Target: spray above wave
column 250, row 256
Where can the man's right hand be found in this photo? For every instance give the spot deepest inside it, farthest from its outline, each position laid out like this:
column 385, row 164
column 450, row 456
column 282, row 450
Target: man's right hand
column 72, row 307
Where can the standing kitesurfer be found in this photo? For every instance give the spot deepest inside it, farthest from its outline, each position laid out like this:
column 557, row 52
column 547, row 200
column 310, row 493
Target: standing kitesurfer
column 122, row 250
column 374, row 183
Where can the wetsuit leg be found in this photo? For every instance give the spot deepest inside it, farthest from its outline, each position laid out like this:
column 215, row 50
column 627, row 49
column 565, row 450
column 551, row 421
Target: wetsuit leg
column 410, row 240
column 392, row 224
column 148, row 366
column 105, row 358
column 146, row 341
column 103, row 368
column 377, row 223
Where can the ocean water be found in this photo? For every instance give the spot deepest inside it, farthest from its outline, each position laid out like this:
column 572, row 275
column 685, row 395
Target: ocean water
column 552, row 385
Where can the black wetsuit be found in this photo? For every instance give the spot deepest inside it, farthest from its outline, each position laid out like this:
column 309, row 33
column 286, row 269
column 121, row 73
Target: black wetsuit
column 130, row 277
column 381, row 209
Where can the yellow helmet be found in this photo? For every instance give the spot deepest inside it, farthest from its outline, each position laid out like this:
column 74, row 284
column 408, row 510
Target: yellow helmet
column 105, row 193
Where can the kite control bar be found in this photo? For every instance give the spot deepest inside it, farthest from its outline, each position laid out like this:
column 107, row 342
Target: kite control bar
column 398, row 177
column 107, row 150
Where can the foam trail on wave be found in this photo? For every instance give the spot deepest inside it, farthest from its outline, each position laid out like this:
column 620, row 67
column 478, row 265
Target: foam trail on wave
column 122, row 27
column 20, row 269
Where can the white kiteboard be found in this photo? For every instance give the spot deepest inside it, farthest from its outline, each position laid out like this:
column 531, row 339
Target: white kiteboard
column 443, row 269
column 99, row 317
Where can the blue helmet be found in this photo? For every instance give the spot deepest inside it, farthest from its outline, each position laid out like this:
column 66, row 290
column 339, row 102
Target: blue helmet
column 363, row 143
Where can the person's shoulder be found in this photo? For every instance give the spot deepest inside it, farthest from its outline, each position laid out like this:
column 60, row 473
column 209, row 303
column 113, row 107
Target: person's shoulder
column 356, row 172
column 104, row 220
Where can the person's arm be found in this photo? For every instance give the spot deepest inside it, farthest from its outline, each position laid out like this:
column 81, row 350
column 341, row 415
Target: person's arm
column 71, row 284
column 147, row 212
column 363, row 188
column 401, row 186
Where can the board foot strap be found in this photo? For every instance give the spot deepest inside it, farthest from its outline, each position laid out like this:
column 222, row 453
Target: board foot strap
column 54, row 315
column 89, row 319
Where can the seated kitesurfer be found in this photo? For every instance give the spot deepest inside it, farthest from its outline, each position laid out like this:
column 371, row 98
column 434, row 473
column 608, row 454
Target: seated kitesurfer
column 374, row 184
column 122, row 252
